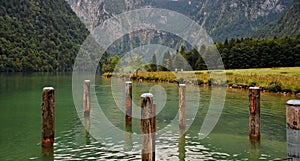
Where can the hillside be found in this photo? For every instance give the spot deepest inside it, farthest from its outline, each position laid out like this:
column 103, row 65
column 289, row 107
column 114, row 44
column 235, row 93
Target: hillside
column 39, row 35
column 287, row 25
column 222, row 19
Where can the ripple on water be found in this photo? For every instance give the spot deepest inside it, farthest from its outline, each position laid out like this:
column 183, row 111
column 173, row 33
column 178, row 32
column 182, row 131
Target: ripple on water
column 71, row 145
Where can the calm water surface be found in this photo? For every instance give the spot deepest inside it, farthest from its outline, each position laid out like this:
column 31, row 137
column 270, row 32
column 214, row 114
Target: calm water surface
column 20, row 123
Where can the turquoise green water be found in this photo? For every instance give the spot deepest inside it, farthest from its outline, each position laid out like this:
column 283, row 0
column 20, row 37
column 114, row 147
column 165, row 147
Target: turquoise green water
column 20, row 124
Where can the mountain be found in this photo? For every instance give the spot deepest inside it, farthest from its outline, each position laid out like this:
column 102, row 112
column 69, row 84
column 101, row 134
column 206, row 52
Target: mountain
column 222, row 19
column 94, row 12
column 287, row 25
column 46, row 35
column 39, row 35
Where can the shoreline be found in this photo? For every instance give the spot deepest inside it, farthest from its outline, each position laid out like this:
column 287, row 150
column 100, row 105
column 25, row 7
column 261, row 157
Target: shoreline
column 233, row 87
column 275, row 83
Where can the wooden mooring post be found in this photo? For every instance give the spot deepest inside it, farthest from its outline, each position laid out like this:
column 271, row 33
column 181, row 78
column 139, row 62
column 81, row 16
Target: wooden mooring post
column 128, row 115
column 48, row 118
column 293, row 128
column 128, row 104
column 254, row 113
column 182, row 107
column 86, row 97
column 147, row 123
column 182, row 121
column 153, row 130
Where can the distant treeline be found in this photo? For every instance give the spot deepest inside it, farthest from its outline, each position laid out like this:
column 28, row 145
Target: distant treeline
column 260, row 53
column 237, row 54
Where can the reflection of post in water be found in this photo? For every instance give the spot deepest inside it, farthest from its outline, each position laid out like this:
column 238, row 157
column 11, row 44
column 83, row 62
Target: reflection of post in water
column 128, row 115
column 128, row 140
column 47, row 154
column 254, row 152
column 293, row 128
column 86, row 129
column 181, row 146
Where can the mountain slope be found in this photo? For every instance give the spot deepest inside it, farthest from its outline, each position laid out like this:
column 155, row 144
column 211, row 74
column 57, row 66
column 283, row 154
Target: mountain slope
column 236, row 18
column 287, row 25
column 94, row 12
column 39, row 35
column 222, row 19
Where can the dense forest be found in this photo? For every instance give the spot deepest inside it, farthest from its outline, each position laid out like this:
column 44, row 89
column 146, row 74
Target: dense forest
column 260, row 53
column 39, row 35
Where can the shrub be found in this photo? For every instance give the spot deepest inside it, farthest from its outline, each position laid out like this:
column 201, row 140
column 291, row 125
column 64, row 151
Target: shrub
column 274, row 87
column 200, row 81
column 211, row 81
column 180, row 80
column 252, row 84
column 198, row 72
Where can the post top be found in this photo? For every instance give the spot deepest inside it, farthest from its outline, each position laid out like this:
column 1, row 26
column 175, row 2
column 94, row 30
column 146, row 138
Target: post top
column 182, row 85
column 128, row 82
column 48, row 88
column 87, row 81
column 144, row 95
column 253, row 87
column 293, row 102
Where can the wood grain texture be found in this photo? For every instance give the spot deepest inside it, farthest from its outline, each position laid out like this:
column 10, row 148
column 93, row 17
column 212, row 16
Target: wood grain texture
column 254, row 113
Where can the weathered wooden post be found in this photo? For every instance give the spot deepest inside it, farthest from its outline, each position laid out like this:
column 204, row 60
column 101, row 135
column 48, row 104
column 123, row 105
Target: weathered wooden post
column 254, row 113
column 128, row 115
column 48, row 117
column 182, row 106
column 153, row 130
column 128, row 104
column 147, row 127
column 86, row 97
column 293, row 128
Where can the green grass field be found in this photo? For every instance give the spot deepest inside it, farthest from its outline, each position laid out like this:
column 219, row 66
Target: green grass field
column 290, row 71
column 269, row 79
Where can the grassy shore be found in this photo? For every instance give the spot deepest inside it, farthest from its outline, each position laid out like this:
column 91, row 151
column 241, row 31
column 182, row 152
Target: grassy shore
column 286, row 80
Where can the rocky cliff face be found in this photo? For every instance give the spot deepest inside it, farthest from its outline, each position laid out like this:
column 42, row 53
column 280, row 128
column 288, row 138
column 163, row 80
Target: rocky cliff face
column 95, row 12
column 238, row 18
column 287, row 25
column 222, row 19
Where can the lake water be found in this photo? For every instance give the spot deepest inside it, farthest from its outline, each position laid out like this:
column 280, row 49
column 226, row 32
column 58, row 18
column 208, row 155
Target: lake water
column 20, row 123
